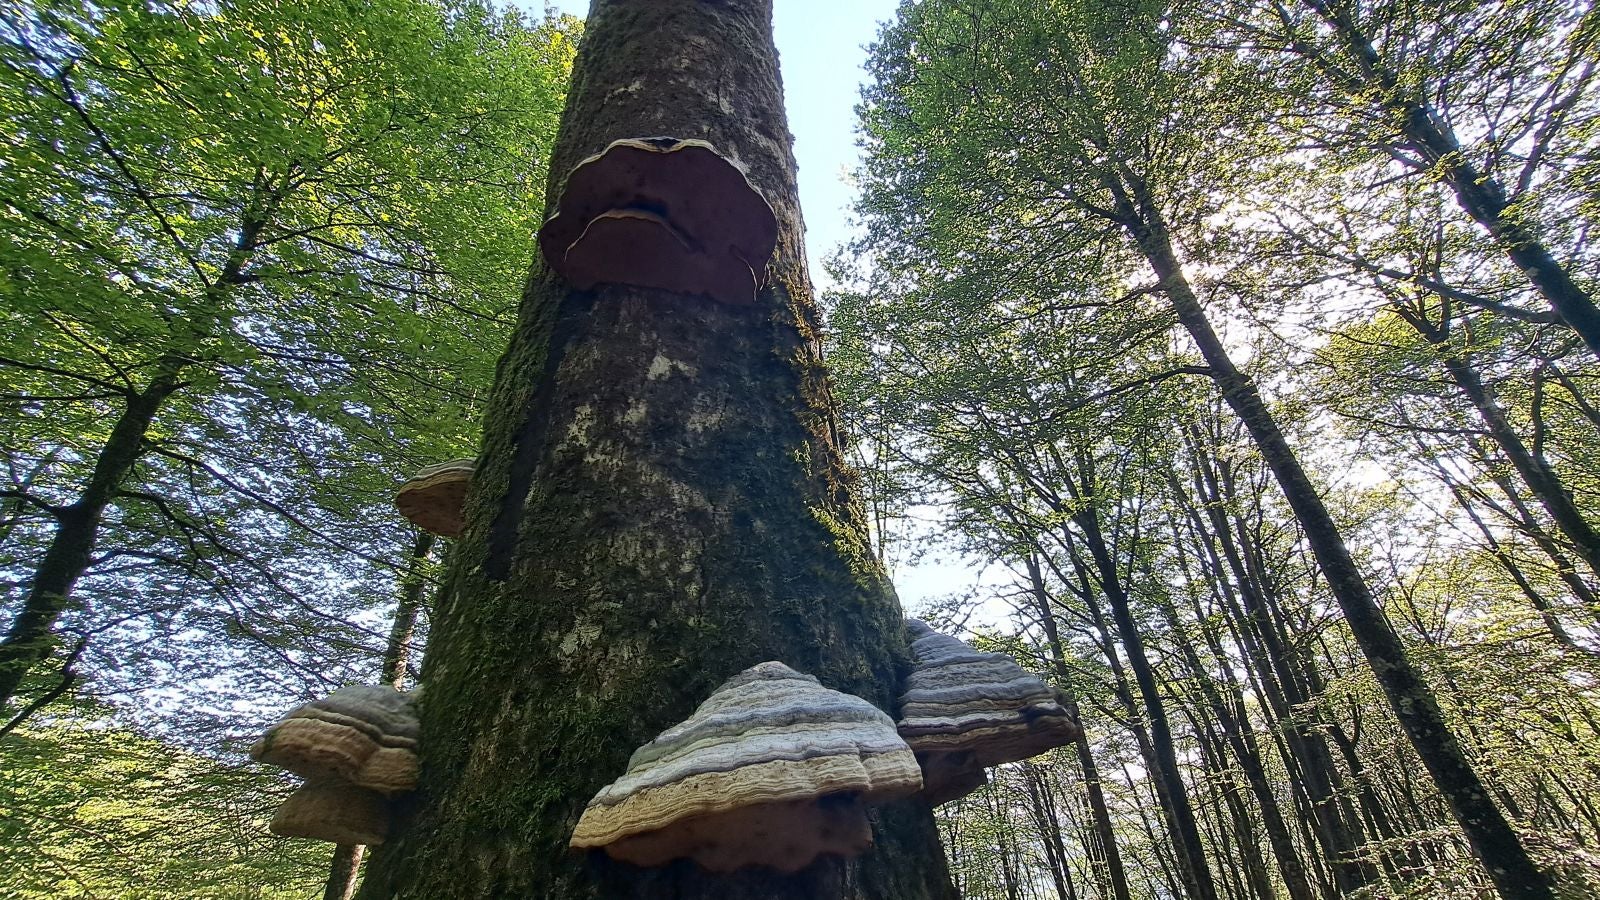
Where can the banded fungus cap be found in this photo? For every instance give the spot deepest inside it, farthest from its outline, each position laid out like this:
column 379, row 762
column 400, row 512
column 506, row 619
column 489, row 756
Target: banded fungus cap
column 662, row 213
column 363, row 735
column 432, row 499
column 773, row 769
column 963, row 711
column 333, row 811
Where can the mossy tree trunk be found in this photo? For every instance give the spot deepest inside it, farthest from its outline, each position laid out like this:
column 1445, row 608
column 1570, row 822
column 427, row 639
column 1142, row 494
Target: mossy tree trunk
column 659, row 503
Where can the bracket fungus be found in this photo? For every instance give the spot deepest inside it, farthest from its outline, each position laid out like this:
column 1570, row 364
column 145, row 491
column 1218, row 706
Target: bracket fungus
column 362, row 735
column 963, row 711
column 662, row 213
column 333, row 811
column 433, row 499
column 773, row 769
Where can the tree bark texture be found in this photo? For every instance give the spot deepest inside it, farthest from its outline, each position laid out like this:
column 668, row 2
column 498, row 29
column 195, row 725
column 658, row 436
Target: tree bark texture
column 659, row 503
column 1491, row 836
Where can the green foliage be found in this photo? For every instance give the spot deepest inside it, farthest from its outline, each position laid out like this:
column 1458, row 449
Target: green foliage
column 94, row 811
column 316, row 216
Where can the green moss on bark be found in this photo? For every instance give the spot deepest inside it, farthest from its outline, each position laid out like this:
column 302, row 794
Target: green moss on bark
column 660, row 502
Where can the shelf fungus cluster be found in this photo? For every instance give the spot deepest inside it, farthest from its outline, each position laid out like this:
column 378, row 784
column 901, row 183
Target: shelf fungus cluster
column 662, row 213
column 773, row 769
column 356, row 748
column 433, row 499
column 963, row 711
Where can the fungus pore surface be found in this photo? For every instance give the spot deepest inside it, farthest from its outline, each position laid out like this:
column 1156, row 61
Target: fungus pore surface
column 662, row 213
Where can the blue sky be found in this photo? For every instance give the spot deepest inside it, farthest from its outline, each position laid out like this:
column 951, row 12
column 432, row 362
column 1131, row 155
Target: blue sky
column 821, row 45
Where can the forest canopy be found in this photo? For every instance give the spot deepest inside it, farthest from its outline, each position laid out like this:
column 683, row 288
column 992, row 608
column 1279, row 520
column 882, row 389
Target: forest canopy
column 257, row 261
column 1250, row 345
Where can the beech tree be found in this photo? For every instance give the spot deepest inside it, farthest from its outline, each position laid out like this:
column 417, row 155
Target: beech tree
column 660, row 502
column 229, row 234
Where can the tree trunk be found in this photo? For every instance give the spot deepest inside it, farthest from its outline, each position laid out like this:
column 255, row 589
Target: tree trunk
column 1537, row 474
column 1242, row 742
column 397, row 655
column 1493, row 840
column 345, row 867
column 1190, row 851
column 1111, row 855
column 342, row 872
column 659, row 503
column 1479, row 194
column 30, row 638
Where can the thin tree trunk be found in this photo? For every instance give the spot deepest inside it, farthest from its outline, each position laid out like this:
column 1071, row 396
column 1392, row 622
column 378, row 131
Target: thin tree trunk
column 1111, row 855
column 659, row 503
column 1191, row 855
column 342, row 872
column 397, row 655
column 1537, row 475
column 1242, row 742
column 31, row 637
column 1479, row 194
column 345, row 867
column 1495, row 843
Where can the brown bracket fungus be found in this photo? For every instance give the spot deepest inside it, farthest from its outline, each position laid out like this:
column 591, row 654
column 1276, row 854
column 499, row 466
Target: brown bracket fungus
column 773, row 769
column 333, row 811
column 662, row 213
column 963, row 711
column 363, row 735
column 433, row 499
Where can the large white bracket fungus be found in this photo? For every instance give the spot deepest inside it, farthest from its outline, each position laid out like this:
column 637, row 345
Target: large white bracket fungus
column 433, row 499
column 662, row 213
column 773, row 769
column 963, row 711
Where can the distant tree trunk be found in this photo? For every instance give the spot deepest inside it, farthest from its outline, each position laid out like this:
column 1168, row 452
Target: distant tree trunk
column 1541, row 480
column 1266, row 651
column 71, row 549
column 345, row 867
column 659, row 503
column 1106, row 836
column 1479, row 193
column 1192, row 863
column 31, row 638
column 1242, row 742
column 343, row 870
column 1493, row 840
column 397, row 656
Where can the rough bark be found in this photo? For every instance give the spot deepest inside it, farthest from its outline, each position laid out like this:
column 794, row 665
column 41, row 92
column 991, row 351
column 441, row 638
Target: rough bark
column 659, row 503
column 1494, row 842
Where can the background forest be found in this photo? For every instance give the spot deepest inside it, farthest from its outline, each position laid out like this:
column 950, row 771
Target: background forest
column 257, row 262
